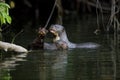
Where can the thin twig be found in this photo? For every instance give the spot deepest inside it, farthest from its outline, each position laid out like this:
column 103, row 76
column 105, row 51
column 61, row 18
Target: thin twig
column 50, row 14
column 16, row 36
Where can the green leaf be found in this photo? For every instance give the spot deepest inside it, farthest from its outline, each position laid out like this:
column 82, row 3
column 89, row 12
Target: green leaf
column 4, row 14
column 4, row 4
column 3, row 20
column 8, row 19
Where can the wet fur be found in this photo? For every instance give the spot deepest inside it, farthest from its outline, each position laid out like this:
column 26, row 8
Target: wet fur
column 61, row 45
column 60, row 30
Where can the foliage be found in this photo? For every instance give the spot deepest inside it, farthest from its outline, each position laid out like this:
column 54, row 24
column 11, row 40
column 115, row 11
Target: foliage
column 4, row 14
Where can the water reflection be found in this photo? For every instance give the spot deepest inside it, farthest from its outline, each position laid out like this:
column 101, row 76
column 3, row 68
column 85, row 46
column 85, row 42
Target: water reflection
column 40, row 65
column 90, row 65
column 77, row 64
column 8, row 64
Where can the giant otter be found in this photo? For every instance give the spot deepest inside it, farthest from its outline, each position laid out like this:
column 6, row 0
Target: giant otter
column 59, row 42
column 39, row 44
column 59, row 31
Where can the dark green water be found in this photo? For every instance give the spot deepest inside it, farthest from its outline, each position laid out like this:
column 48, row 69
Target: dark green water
column 77, row 64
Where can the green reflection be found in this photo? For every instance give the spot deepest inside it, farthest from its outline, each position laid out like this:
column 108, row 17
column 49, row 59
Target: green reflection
column 5, row 74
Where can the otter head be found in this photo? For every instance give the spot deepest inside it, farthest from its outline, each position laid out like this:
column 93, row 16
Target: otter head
column 56, row 29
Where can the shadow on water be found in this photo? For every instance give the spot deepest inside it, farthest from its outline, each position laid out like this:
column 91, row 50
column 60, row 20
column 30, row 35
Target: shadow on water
column 77, row 64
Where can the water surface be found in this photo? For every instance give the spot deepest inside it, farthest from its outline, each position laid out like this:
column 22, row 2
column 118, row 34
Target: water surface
column 77, row 64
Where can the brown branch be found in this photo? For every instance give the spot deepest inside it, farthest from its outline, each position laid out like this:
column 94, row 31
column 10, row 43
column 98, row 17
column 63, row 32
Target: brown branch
column 94, row 5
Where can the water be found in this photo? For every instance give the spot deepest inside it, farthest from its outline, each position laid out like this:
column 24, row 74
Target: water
column 77, row 64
